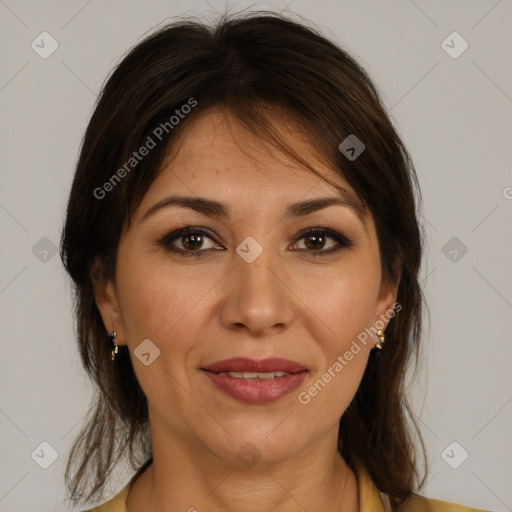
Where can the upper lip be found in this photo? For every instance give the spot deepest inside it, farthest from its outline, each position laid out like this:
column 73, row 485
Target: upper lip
column 243, row 364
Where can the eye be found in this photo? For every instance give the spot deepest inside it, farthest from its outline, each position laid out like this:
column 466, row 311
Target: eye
column 191, row 240
column 315, row 240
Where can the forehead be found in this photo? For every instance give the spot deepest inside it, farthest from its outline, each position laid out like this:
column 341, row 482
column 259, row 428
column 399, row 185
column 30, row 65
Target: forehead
column 217, row 156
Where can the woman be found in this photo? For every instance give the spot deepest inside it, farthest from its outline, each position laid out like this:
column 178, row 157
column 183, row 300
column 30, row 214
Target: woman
column 243, row 238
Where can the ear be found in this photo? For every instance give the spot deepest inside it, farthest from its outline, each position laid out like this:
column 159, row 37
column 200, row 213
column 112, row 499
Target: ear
column 106, row 298
column 386, row 302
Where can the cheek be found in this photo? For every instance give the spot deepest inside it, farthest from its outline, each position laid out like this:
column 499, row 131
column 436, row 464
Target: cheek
column 158, row 304
column 166, row 304
column 346, row 305
column 347, row 302
column 350, row 314
column 344, row 350
column 154, row 299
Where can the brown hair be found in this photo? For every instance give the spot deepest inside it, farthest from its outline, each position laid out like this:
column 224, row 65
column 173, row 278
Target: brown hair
column 242, row 63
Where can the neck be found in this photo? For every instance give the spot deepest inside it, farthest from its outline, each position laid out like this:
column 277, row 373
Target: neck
column 183, row 478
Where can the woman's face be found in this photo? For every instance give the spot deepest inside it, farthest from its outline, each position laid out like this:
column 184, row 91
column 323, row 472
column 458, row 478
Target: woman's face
column 254, row 283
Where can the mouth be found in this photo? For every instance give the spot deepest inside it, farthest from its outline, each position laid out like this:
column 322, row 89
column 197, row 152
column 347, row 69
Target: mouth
column 262, row 367
column 255, row 375
column 256, row 382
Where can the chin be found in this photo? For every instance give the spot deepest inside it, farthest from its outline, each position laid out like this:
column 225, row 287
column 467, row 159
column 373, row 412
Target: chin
column 249, row 445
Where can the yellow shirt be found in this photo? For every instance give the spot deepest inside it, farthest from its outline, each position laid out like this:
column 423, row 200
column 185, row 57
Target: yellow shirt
column 370, row 500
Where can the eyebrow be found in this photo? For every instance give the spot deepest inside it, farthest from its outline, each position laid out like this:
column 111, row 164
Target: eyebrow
column 220, row 210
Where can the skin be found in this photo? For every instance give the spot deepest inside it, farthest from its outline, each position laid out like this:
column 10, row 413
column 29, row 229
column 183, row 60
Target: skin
column 287, row 303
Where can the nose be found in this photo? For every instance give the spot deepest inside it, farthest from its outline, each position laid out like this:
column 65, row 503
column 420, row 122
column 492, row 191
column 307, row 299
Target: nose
column 258, row 297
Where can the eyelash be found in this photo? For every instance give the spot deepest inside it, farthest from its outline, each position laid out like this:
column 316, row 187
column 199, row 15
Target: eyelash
column 167, row 240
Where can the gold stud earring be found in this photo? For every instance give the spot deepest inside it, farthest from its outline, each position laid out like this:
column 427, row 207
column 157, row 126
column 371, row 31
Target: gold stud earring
column 112, row 337
column 380, row 334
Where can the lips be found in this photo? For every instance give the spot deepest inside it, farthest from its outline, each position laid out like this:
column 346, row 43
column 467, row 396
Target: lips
column 242, row 364
column 256, row 382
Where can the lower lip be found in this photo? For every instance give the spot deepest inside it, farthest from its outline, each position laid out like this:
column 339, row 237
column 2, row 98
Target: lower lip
column 257, row 391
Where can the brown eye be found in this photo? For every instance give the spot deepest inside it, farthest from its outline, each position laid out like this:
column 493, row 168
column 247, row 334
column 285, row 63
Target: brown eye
column 187, row 241
column 192, row 242
column 315, row 241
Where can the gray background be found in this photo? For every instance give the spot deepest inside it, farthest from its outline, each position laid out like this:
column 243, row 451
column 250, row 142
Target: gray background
column 454, row 115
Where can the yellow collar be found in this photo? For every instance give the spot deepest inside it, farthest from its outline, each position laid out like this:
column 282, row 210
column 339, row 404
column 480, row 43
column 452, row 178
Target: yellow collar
column 370, row 499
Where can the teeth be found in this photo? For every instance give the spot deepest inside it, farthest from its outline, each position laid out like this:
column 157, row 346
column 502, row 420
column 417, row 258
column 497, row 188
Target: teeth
column 255, row 375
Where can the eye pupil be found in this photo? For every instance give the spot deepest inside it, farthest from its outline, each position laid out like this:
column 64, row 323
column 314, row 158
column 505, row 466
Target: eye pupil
column 317, row 240
column 192, row 242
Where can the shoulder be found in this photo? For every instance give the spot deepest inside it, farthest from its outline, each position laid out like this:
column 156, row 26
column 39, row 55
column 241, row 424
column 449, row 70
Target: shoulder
column 421, row 504
column 372, row 500
column 116, row 504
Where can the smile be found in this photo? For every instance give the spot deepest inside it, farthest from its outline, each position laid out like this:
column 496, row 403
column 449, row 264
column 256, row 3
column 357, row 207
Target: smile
column 256, row 382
